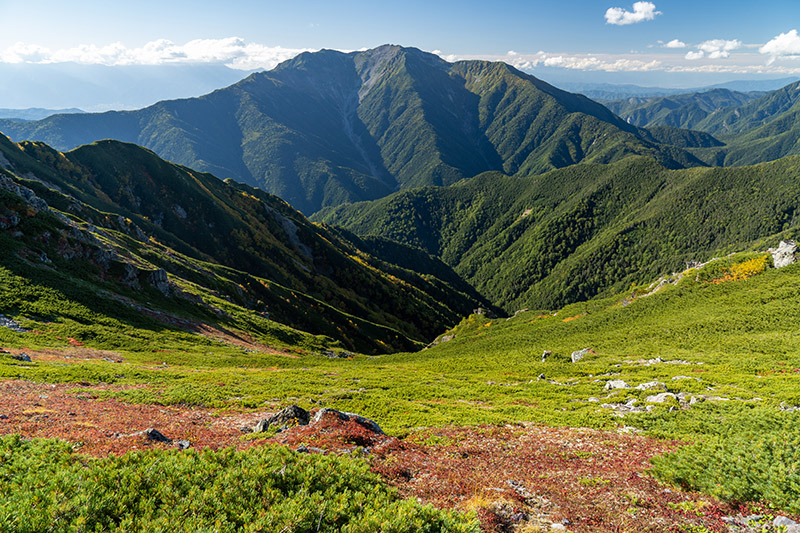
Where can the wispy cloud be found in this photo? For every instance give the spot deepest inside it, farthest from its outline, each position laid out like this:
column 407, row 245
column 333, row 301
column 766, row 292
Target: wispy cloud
column 234, row 52
column 785, row 45
column 641, row 11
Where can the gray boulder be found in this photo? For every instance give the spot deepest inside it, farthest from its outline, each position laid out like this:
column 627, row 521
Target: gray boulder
column 616, row 384
column 650, row 385
column 579, row 354
column 784, row 254
column 291, row 416
column 660, row 398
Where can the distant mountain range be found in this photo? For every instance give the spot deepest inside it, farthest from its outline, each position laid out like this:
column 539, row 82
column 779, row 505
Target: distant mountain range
column 327, row 128
column 35, row 113
column 604, row 92
column 100, row 87
column 687, row 110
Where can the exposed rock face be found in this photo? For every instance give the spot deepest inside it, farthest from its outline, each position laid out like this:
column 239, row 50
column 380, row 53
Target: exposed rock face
column 158, row 279
column 358, row 419
column 292, row 415
column 784, row 254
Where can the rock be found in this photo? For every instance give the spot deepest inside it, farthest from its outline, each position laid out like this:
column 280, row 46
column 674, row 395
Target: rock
column 541, row 376
column 358, row 419
column 651, row 385
column 25, row 358
column 555, row 526
column 784, row 254
column 616, row 384
column 291, row 416
column 158, row 279
column 13, row 325
column 183, row 444
column 660, row 398
column 309, row 449
column 783, row 521
column 3, row 417
column 579, row 354
column 155, row 435
column 545, row 355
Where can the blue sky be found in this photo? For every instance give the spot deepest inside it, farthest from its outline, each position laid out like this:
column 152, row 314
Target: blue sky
column 720, row 39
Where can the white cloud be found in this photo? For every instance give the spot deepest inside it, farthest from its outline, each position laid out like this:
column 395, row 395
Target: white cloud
column 691, row 56
column 641, row 11
column 232, row 51
column 582, row 62
column 675, row 43
column 784, row 45
column 719, row 48
column 23, row 53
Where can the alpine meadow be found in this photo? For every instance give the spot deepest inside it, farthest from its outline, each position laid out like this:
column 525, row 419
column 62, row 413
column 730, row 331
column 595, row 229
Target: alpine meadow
column 384, row 289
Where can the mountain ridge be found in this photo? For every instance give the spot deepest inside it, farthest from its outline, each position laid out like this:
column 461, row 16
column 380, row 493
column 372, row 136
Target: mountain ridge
column 327, row 127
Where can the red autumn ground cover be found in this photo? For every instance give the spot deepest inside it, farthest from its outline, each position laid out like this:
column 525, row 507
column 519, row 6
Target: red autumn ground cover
column 515, row 477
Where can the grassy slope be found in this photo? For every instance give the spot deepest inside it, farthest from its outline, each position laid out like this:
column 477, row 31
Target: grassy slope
column 258, row 252
column 574, row 233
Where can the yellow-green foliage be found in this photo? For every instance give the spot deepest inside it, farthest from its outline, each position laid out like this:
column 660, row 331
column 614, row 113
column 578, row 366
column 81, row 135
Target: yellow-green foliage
column 749, row 268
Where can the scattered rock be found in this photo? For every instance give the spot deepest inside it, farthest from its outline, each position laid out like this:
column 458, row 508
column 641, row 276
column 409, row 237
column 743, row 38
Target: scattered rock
column 155, row 435
column 309, row 449
column 651, row 385
column 784, row 254
column 183, row 444
column 291, row 416
column 25, row 358
column 555, row 526
column 790, row 525
column 616, row 384
column 358, row 419
column 660, row 398
column 579, row 354
column 624, row 408
column 545, row 355
column 13, row 325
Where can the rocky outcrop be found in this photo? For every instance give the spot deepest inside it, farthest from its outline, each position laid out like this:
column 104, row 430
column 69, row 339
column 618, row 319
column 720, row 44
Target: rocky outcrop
column 291, row 416
column 345, row 417
column 784, row 254
column 579, row 354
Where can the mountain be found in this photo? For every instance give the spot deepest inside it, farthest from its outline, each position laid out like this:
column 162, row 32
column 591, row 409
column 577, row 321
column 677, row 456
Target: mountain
column 587, row 230
column 605, row 92
column 681, row 110
column 101, row 87
column 763, row 129
column 34, row 113
column 327, row 128
column 118, row 217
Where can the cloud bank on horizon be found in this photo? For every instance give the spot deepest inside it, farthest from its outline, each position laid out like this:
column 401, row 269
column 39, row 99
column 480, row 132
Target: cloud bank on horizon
column 778, row 55
column 233, row 52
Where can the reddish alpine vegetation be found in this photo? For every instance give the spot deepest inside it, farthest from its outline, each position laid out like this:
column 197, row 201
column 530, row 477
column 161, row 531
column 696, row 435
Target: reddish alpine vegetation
column 515, row 477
